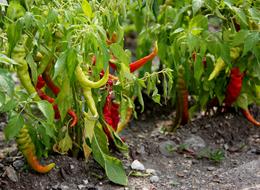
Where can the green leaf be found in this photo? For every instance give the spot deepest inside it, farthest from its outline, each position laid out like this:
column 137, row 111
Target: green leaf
column 60, row 65
column 123, row 108
column 64, row 98
column 6, row 60
column 99, row 145
column 87, row 9
column 47, row 110
column 120, row 145
column 113, row 167
column 15, row 10
column 65, row 144
column 6, row 83
column 49, row 129
column 120, row 54
column 241, row 14
column 115, row 170
column 43, row 137
column 239, row 38
column 15, row 123
column 138, row 92
column 196, row 5
column 89, row 125
column 33, row 67
column 198, row 68
column 255, row 14
column 156, row 97
column 71, row 62
column 251, row 41
column 14, row 33
column 10, row 105
column 242, row 101
column 2, row 100
column 198, row 24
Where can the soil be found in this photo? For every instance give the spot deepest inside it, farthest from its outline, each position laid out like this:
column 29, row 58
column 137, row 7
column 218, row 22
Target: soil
column 225, row 156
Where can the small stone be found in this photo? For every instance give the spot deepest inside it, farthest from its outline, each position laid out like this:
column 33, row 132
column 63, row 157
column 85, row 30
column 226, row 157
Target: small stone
column 56, row 186
column 154, row 179
column 18, row 164
column 64, row 187
column 72, row 166
column 180, row 174
column 81, row 186
column 150, row 171
column 85, row 181
column 195, row 142
column 226, row 147
column 136, row 165
column 11, row 174
column 210, row 168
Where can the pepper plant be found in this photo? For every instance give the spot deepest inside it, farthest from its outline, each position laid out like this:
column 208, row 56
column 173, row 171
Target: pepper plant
column 65, row 76
column 212, row 44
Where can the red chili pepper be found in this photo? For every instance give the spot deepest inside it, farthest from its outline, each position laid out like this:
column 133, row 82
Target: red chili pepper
column 55, row 89
column 40, row 84
column 182, row 96
column 141, row 62
column 182, row 112
column 111, row 113
column 74, row 117
column 234, row 86
column 249, row 117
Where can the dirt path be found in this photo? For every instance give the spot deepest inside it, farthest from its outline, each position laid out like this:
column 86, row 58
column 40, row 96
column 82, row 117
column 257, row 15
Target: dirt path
column 220, row 152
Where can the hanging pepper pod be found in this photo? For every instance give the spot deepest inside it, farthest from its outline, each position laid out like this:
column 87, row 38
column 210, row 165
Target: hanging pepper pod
column 234, row 86
column 27, row 147
column 219, row 66
column 249, row 117
column 182, row 108
column 141, row 62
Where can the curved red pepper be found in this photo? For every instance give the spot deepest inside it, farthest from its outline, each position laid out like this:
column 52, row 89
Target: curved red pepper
column 40, row 84
column 141, row 62
column 55, row 89
column 249, row 117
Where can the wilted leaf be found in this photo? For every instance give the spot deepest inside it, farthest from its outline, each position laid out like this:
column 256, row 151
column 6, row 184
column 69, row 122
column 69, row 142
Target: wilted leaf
column 65, row 144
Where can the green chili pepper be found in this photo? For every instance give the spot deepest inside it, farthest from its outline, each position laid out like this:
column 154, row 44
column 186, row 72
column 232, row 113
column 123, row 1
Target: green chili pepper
column 22, row 71
column 85, row 82
column 219, row 66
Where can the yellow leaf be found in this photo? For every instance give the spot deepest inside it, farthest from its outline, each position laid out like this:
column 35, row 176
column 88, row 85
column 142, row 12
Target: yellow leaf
column 87, row 8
